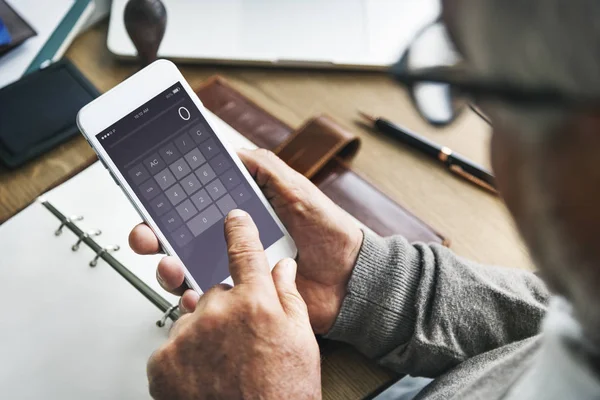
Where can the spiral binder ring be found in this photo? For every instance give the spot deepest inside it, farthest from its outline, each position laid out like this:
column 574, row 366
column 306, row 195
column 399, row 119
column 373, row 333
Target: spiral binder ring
column 88, row 234
column 100, row 252
column 161, row 322
column 73, row 218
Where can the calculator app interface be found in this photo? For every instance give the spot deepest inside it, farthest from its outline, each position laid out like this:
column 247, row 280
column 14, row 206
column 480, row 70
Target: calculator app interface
column 186, row 180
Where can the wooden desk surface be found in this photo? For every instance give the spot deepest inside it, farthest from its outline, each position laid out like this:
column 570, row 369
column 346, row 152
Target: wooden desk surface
column 475, row 221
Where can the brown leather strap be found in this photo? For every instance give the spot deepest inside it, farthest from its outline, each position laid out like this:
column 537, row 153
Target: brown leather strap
column 242, row 114
column 315, row 144
column 307, row 150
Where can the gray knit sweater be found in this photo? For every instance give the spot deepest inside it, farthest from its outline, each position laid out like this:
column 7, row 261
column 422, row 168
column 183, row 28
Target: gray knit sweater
column 477, row 330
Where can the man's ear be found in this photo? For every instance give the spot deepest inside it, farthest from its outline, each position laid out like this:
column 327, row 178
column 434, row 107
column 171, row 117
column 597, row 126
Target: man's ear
column 588, row 123
column 578, row 137
column 572, row 174
column 508, row 157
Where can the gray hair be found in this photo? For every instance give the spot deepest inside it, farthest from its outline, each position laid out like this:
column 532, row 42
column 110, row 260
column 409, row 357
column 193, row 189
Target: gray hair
column 537, row 42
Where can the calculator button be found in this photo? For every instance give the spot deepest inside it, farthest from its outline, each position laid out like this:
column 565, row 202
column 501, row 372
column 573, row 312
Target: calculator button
column 204, row 220
column 160, row 205
column 169, row 153
column 190, row 184
column 186, row 210
column 175, row 194
column 209, row 149
column 240, row 194
column 230, row 179
column 150, row 190
column 182, row 236
column 154, row 163
column 171, row 220
column 215, row 189
column 201, row 200
column 138, row 174
column 220, row 164
column 184, row 143
column 195, row 158
column 180, row 168
column 226, row 204
column 199, row 133
column 164, row 178
column 205, row 173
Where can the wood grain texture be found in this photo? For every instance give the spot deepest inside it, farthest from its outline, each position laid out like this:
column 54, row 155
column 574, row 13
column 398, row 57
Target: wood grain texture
column 474, row 220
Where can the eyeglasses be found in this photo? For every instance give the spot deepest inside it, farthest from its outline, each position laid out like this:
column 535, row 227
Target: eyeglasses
column 481, row 89
column 460, row 84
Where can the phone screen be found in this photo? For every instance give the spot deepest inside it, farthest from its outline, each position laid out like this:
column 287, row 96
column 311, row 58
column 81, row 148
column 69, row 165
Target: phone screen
column 186, row 180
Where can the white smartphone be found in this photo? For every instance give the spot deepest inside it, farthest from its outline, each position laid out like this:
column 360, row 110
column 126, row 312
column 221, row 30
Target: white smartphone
column 152, row 135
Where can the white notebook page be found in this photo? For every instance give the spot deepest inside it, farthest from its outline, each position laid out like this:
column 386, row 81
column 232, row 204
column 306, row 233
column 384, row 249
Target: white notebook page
column 70, row 331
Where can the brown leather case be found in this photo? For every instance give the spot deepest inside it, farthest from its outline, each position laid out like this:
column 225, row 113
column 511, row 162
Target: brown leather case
column 321, row 150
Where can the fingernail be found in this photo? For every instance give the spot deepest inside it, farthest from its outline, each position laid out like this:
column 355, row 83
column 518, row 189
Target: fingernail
column 181, row 307
column 290, row 267
column 159, row 279
column 237, row 213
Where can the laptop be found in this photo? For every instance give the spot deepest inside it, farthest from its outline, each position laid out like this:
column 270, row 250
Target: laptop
column 354, row 34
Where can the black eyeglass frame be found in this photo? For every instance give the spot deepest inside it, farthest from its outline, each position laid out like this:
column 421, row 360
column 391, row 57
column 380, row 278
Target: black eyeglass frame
column 480, row 89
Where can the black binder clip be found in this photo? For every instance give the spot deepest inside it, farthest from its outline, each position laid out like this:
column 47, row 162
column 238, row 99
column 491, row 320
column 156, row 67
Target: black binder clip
column 74, row 218
column 100, row 252
column 88, row 234
column 162, row 322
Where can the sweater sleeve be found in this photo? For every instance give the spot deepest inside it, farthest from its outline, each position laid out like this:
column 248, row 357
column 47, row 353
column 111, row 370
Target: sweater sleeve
column 421, row 310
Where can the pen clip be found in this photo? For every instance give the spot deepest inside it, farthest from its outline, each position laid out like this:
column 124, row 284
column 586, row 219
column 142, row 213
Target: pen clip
column 461, row 172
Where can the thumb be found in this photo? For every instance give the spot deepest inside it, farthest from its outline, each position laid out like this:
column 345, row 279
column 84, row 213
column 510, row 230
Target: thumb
column 273, row 176
column 284, row 277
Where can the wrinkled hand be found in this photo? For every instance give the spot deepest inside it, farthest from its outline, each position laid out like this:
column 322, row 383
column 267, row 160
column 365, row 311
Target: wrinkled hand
column 328, row 240
column 250, row 341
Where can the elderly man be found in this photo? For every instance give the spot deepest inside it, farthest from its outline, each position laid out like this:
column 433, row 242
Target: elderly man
column 478, row 331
